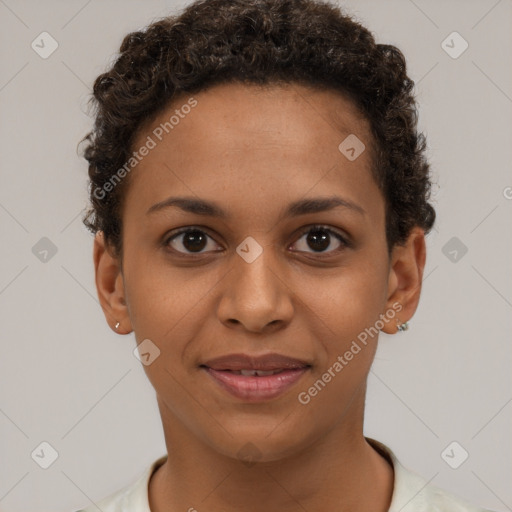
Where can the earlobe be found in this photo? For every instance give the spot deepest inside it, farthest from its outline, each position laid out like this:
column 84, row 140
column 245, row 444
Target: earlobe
column 405, row 279
column 110, row 286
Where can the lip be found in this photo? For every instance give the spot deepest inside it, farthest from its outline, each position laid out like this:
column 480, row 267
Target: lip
column 255, row 388
column 264, row 362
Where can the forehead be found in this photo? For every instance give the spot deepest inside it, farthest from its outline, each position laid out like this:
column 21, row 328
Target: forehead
column 277, row 139
column 284, row 112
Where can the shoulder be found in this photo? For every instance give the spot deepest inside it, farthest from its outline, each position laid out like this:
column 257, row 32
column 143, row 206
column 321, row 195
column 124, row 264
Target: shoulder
column 131, row 498
column 417, row 495
column 412, row 493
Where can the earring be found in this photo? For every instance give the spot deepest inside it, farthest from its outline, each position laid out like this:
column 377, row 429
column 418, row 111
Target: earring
column 117, row 325
column 402, row 326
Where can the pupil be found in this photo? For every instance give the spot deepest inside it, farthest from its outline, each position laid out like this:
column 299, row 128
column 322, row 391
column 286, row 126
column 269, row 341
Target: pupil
column 194, row 240
column 318, row 240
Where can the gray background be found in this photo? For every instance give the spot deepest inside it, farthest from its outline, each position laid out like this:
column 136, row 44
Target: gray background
column 66, row 379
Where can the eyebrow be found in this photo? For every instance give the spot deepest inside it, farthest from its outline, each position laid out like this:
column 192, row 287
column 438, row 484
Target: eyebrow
column 301, row 207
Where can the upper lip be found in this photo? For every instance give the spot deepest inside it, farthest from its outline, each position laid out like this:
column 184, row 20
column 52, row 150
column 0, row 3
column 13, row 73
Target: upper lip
column 247, row 362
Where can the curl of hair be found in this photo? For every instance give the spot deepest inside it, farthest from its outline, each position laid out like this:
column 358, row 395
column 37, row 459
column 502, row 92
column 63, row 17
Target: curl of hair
column 306, row 42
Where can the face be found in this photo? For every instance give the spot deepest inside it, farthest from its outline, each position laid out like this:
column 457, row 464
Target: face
column 284, row 253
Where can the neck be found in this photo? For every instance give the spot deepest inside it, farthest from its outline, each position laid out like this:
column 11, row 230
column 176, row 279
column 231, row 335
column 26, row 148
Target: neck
column 340, row 471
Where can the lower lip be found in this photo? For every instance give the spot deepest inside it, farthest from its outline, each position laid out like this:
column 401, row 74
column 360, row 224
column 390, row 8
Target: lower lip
column 256, row 389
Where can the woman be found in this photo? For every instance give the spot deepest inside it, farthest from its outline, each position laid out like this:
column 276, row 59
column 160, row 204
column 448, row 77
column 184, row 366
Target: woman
column 260, row 200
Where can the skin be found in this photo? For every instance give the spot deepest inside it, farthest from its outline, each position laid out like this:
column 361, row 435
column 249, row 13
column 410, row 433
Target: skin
column 253, row 151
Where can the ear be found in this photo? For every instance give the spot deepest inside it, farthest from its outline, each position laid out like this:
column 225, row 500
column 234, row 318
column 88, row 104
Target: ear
column 110, row 286
column 405, row 278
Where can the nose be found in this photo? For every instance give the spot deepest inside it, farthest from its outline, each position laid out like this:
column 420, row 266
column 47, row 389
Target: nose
column 256, row 296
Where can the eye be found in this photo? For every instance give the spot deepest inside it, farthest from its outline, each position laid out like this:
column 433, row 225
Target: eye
column 319, row 238
column 193, row 239
column 196, row 241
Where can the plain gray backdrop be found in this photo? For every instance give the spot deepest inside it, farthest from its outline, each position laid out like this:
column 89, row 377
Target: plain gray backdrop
column 66, row 379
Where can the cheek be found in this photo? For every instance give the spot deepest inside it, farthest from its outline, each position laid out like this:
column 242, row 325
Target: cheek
column 163, row 299
column 172, row 309
column 349, row 305
column 349, row 300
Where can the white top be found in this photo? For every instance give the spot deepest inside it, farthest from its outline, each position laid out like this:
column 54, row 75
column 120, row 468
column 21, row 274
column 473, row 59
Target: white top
column 411, row 493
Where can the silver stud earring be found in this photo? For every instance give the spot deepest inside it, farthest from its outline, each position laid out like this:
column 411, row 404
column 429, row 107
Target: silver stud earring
column 117, row 325
column 402, row 326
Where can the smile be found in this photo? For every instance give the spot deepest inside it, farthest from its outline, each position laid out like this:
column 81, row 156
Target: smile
column 256, row 385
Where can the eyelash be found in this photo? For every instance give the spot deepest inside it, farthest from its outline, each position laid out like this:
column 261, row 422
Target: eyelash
column 319, row 227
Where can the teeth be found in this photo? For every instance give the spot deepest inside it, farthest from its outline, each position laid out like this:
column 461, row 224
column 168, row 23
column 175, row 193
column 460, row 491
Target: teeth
column 259, row 373
column 262, row 373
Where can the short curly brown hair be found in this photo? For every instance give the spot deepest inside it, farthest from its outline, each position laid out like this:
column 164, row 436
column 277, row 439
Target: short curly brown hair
column 306, row 42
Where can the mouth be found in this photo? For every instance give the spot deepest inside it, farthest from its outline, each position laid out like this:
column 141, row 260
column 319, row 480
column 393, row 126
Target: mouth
column 254, row 373
column 255, row 379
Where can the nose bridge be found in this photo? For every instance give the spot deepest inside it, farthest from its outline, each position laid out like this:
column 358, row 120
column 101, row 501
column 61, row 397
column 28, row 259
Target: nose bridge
column 255, row 294
column 254, row 273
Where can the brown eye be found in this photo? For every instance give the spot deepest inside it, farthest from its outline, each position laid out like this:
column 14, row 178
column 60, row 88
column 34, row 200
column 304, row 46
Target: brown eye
column 319, row 239
column 193, row 240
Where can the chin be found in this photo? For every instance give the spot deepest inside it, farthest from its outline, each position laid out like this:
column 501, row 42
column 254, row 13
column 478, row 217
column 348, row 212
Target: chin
column 262, row 444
